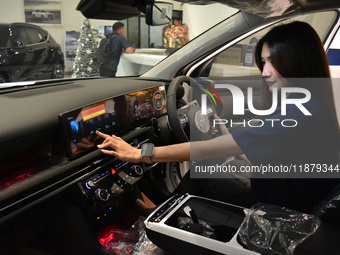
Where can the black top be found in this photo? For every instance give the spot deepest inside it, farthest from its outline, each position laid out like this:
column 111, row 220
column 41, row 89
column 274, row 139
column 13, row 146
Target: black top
column 311, row 141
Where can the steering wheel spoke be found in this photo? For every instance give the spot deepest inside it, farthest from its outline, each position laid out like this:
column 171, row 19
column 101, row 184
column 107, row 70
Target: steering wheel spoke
column 184, row 120
column 188, row 120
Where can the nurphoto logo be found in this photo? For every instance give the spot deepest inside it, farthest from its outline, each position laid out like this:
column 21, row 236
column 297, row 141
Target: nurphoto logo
column 239, row 103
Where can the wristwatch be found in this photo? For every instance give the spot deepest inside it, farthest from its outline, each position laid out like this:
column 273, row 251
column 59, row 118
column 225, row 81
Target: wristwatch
column 147, row 152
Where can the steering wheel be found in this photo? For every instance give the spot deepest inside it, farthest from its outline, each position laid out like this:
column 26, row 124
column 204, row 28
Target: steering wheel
column 188, row 123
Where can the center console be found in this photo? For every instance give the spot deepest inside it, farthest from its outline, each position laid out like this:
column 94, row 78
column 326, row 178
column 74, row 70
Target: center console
column 106, row 182
column 172, row 226
column 129, row 115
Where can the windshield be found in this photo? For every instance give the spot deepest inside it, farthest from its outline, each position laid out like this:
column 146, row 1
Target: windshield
column 52, row 40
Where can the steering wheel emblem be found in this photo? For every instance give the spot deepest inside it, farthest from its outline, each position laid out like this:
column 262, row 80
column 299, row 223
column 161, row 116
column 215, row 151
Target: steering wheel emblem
column 202, row 122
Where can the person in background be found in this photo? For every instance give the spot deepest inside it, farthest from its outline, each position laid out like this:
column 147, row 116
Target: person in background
column 118, row 45
column 288, row 51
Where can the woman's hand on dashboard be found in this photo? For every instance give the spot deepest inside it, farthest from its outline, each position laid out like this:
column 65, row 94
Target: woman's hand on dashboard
column 121, row 149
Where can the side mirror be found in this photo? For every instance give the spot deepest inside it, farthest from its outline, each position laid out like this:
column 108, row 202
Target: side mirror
column 158, row 13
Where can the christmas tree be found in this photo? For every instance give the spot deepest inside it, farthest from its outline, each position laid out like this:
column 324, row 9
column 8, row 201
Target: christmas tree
column 84, row 66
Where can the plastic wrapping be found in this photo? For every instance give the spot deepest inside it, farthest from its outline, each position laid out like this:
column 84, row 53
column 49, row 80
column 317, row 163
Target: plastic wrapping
column 130, row 242
column 270, row 229
column 329, row 209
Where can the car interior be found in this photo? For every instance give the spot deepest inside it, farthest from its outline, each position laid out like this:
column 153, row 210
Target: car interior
column 59, row 194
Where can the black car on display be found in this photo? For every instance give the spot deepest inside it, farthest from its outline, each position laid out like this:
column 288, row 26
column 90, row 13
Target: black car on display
column 28, row 52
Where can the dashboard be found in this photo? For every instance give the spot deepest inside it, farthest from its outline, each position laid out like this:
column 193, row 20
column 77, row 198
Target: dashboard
column 47, row 141
column 112, row 116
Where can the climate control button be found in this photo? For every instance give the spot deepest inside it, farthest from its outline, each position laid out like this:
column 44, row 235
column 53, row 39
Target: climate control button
column 138, row 170
column 102, row 194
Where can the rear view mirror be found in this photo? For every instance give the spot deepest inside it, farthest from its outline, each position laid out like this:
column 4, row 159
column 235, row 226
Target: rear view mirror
column 158, row 13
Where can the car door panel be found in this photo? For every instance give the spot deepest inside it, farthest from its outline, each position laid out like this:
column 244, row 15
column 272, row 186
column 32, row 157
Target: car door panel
column 40, row 54
column 20, row 55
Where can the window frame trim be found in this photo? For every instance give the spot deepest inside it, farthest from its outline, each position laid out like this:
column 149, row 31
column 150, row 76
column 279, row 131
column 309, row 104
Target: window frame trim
column 329, row 37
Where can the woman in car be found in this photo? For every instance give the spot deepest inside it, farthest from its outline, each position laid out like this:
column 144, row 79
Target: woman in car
column 288, row 51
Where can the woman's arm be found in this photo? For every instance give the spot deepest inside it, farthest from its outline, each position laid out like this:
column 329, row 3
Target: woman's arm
column 126, row 152
column 218, row 147
column 221, row 146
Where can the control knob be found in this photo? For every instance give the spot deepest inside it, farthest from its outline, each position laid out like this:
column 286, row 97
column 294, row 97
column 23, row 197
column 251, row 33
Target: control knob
column 138, row 170
column 102, row 194
column 90, row 184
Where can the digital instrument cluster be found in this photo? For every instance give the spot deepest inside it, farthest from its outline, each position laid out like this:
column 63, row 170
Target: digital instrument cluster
column 112, row 116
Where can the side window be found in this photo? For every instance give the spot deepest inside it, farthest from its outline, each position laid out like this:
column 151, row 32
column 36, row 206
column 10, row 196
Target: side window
column 19, row 36
column 34, row 35
column 239, row 60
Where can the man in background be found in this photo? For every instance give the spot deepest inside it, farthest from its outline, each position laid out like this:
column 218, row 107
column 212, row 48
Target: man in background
column 118, row 44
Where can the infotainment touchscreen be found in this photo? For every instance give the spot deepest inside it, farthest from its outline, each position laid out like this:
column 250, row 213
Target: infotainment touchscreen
column 112, row 116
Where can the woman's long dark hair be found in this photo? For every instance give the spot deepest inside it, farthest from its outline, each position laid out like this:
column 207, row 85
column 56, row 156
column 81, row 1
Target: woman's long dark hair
column 296, row 51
